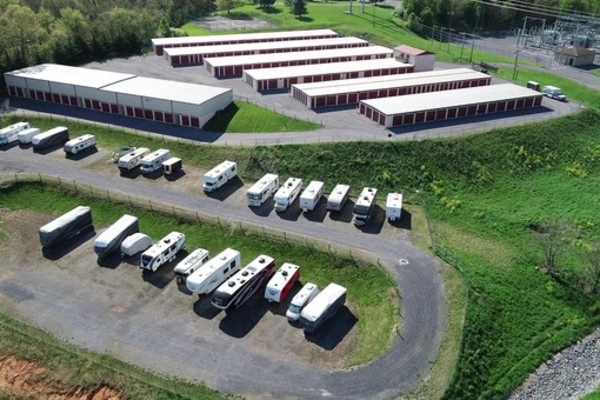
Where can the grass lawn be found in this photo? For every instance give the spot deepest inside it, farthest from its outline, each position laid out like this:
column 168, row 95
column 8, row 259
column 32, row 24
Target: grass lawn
column 593, row 396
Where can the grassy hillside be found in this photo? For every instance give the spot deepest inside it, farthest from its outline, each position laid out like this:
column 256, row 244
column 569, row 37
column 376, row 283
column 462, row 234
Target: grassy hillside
column 593, row 396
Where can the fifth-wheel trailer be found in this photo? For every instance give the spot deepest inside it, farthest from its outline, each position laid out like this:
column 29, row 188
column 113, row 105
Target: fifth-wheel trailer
column 10, row 133
column 80, row 143
column 66, row 227
column 323, row 307
column 109, row 241
column 264, row 188
column 54, row 137
column 162, row 252
column 190, row 264
column 214, row 272
column 132, row 160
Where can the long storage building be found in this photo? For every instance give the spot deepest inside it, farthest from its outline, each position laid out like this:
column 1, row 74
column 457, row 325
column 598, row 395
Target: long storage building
column 160, row 100
column 181, row 56
column 159, row 44
column 349, row 92
column 266, row 79
column 233, row 67
column 401, row 111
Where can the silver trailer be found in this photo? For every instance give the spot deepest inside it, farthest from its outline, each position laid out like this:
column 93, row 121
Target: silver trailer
column 153, row 162
column 190, row 263
column 110, row 240
column 26, row 135
column 133, row 159
column 66, row 227
column 51, row 138
column 80, row 143
column 163, row 251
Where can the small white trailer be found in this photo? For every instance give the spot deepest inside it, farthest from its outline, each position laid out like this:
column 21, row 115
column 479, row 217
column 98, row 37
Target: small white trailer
column 282, row 283
column 364, row 206
column 214, row 272
column 311, row 196
column 163, row 251
column 172, row 166
column 287, row 194
column 26, row 135
column 338, row 197
column 219, row 176
column 190, row 264
column 301, row 299
column 80, row 143
column 135, row 244
column 153, row 162
column 324, row 306
column 10, row 133
column 264, row 188
column 132, row 160
column 393, row 206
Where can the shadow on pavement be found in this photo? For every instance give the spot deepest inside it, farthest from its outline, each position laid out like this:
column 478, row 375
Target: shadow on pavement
column 56, row 252
column 239, row 322
column 8, row 146
column 204, row 309
column 265, row 209
column 227, row 190
column 48, row 150
column 332, row 332
column 345, row 214
column 82, row 154
column 292, row 213
column 319, row 213
column 375, row 223
column 164, row 275
column 110, row 261
column 130, row 174
column 405, row 221
column 175, row 176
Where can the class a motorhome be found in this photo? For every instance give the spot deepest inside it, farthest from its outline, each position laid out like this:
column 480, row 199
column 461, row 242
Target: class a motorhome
column 238, row 289
column 338, row 197
column 301, row 299
column 190, row 264
column 219, row 176
column 287, row 194
column 66, row 227
column 264, row 188
column 393, row 206
column 26, row 135
column 162, row 252
column 172, row 166
column 10, row 133
column 311, row 196
column 54, row 137
column 323, row 307
column 282, row 283
column 80, row 143
column 111, row 239
column 132, row 160
column 153, row 162
column 214, row 272
column 364, row 206
column 135, row 244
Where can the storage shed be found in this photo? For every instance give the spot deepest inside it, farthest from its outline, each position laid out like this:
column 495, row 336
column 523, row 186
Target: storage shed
column 233, row 67
column 575, row 56
column 159, row 44
column 401, row 111
column 423, row 60
column 266, row 79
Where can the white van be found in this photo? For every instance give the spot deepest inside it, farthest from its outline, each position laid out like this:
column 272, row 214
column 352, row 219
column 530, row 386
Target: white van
column 153, row 162
column 287, row 194
column 262, row 190
column 135, row 244
column 132, row 159
column 301, row 299
column 26, row 135
column 214, row 272
column 393, row 206
column 219, row 176
column 311, row 196
column 80, row 143
column 554, row 92
column 10, row 133
column 162, row 252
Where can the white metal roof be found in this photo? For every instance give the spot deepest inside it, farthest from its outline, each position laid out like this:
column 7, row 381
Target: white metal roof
column 322, row 301
column 226, row 48
column 317, row 69
column 180, row 92
column 51, row 132
column 449, row 98
column 297, row 55
column 288, row 187
column 115, row 229
column 65, row 74
column 338, row 193
column 65, row 218
column 262, row 183
column 245, row 274
column 219, row 169
column 366, row 197
column 394, row 200
column 241, row 36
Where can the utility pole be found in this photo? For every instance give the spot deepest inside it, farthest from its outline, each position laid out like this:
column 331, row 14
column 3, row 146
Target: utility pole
column 362, row 6
column 462, row 45
column 472, row 48
column 350, row 7
column 523, row 31
column 515, row 68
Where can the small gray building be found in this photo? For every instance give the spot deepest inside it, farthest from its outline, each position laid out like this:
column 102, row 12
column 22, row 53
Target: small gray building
column 574, row 56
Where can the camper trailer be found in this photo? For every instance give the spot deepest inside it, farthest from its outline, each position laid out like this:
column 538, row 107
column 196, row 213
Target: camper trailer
column 172, row 166
column 51, row 138
column 287, row 194
column 10, row 134
column 323, row 307
column 110, row 240
column 311, row 196
column 153, row 162
column 238, row 289
column 301, row 299
column 163, row 251
column 26, row 135
column 281, row 284
column 338, row 197
column 80, row 143
column 132, row 160
column 66, row 227
column 262, row 190
column 393, row 206
column 214, row 272
column 364, row 206
column 190, row 264
column 135, row 244
column 219, row 176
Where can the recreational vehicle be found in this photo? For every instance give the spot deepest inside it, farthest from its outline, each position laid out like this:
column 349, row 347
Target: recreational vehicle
column 262, row 190
column 110, row 240
column 323, row 307
column 153, row 162
column 214, row 272
column 135, row 244
column 51, row 138
column 311, row 196
column 365, row 204
column 338, row 197
column 172, row 166
column 10, row 134
column 393, row 206
column 219, row 176
column 190, row 263
column 281, row 284
column 66, row 227
column 26, row 135
column 132, row 160
column 238, row 289
column 287, row 194
column 162, row 252
column 80, row 143
column 301, row 299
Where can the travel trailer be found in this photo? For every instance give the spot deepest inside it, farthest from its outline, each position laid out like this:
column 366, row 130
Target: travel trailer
column 287, row 194
column 219, row 176
column 364, row 206
column 26, row 135
column 80, row 143
column 264, row 188
column 153, row 162
column 110, row 240
column 172, row 166
column 281, row 284
column 323, row 307
column 10, row 134
column 135, row 244
column 66, row 227
column 301, row 299
column 311, row 196
column 393, row 206
column 190, row 264
column 132, row 160
column 163, row 251
column 54, row 137
column 338, row 197
column 214, row 272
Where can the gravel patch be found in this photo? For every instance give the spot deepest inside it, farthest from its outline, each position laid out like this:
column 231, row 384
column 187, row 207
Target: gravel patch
column 218, row 23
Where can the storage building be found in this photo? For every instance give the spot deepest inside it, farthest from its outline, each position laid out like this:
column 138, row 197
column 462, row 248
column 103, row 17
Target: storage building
column 282, row 78
column 233, row 67
column 575, row 56
column 423, row 60
column 159, row 44
column 351, row 91
column 420, row 108
column 181, row 56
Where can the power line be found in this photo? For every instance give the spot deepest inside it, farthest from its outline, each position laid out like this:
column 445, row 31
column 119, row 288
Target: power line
column 534, row 11
column 559, row 10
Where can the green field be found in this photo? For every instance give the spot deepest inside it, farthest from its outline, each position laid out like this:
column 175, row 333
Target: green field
column 593, row 396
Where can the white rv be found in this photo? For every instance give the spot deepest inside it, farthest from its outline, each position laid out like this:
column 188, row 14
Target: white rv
column 262, row 190
column 10, row 134
column 80, row 143
column 153, row 162
column 190, row 264
column 219, row 176
column 338, row 197
column 135, row 244
column 282, row 283
column 133, row 159
column 287, row 194
column 57, row 136
column 26, row 135
column 364, row 206
column 301, row 299
column 393, row 206
column 214, row 272
column 163, row 251
column 111, row 239
column 323, row 307
column 311, row 196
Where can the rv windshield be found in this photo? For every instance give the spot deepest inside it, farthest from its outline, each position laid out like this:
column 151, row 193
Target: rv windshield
column 294, row 309
column 146, row 260
column 221, row 299
column 361, row 210
column 254, row 196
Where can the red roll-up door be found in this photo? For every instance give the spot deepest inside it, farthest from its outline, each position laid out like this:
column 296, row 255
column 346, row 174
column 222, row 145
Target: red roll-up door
column 12, row 90
column 331, row 100
column 139, row 113
column 114, row 108
column 169, row 118
column 382, row 119
column 129, row 111
column 352, row 98
column 320, row 102
column 105, row 107
column 55, row 98
column 148, row 114
column 397, row 121
column 158, row 116
column 195, row 122
column 185, row 120
column 409, row 119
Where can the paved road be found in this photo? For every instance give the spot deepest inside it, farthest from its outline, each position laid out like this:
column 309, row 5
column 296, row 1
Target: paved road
column 166, row 348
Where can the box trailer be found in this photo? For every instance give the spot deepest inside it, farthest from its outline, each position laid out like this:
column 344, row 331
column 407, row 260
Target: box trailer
column 338, row 197
column 282, row 283
column 51, row 138
column 364, row 206
column 132, row 160
column 66, row 227
column 10, row 134
column 190, row 264
column 26, row 135
column 300, row 300
column 80, row 143
column 393, row 206
column 214, row 272
column 238, row 289
column 135, row 244
column 162, row 252
column 153, row 162
column 311, row 196
column 219, row 176
column 264, row 188
column 110, row 240
column 287, row 194
column 172, row 166
column 324, row 306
